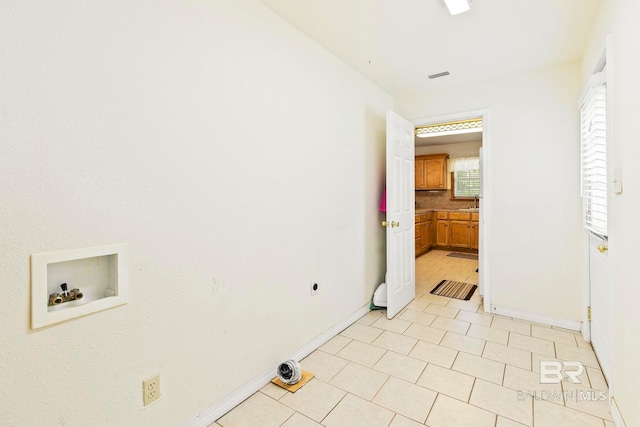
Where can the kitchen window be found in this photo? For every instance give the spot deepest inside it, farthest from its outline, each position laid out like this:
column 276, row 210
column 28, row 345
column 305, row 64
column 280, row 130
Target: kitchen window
column 465, row 177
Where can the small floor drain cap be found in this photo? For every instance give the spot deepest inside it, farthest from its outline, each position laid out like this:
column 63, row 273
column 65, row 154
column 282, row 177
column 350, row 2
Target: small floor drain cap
column 289, row 372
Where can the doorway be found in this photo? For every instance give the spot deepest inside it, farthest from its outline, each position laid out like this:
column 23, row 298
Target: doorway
column 461, row 144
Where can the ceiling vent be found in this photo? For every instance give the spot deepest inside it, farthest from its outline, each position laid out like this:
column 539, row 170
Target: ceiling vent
column 442, row 74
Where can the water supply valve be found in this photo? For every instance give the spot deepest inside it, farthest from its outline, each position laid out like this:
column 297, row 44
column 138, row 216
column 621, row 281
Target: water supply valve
column 65, row 296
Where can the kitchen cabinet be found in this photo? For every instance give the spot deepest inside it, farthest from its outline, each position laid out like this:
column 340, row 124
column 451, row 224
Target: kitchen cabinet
column 442, row 233
column 459, row 234
column 457, row 229
column 474, row 236
column 418, row 233
column 434, row 232
column 419, row 173
column 423, row 233
column 442, row 229
column 431, row 172
column 425, row 237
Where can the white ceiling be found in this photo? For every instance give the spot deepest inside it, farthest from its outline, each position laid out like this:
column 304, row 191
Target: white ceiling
column 397, row 43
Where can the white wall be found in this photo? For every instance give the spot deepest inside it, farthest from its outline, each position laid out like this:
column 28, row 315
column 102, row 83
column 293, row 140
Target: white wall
column 535, row 235
column 620, row 19
column 238, row 159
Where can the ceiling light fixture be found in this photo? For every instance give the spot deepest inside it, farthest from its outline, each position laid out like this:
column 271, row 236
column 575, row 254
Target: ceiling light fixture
column 450, row 128
column 458, row 6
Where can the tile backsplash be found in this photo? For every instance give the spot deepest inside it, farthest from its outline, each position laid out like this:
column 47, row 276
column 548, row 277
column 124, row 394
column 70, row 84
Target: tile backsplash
column 439, row 200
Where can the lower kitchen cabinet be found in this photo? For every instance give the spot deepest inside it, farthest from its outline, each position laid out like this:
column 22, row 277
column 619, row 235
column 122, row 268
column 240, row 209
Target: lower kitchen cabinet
column 459, row 234
column 434, row 233
column 425, row 237
column 423, row 233
column 457, row 230
column 474, row 235
column 442, row 238
column 446, row 230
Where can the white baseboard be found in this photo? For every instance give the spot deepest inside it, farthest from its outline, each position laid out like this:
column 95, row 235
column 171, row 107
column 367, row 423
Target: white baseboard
column 572, row 325
column 230, row 401
column 615, row 414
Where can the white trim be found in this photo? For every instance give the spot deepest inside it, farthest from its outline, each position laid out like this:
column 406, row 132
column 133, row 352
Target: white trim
column 572, row 325
column 615, row 414
column 611, row 194
column 586, row 294
column 230, row 401
column 453, row 117
column 585, row 329
column 484, row 263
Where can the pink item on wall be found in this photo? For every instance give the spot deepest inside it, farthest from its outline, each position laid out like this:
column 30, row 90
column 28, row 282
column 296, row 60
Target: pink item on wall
column 383, row 201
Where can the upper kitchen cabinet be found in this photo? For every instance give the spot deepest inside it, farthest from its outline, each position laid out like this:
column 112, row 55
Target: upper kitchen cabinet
column 431, row 172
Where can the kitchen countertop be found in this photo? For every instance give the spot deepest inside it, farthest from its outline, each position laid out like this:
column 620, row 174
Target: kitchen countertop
column 427, row 210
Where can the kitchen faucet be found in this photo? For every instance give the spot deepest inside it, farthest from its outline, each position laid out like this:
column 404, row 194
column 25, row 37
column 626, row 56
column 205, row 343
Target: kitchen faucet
column 476, row 201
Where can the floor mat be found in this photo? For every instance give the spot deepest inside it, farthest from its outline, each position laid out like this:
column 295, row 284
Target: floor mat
column 452, row 289
column 463, row 255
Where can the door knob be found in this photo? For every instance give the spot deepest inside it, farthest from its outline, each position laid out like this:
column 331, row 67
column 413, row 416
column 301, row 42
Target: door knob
column 602, row 248
column 391, row 224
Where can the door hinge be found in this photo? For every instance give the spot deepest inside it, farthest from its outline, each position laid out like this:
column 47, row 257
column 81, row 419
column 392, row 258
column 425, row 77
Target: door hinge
column 589, row 314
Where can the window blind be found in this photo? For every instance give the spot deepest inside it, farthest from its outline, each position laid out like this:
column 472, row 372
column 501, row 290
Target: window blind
column 466, row 176
column 467, row 183
column 594, row 158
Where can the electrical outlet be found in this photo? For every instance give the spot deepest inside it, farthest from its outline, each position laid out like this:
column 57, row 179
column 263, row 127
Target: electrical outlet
column 314, row 288
column 151, row 389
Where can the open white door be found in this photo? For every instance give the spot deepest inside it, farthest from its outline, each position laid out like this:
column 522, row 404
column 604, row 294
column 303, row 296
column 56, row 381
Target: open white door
column 400, row 223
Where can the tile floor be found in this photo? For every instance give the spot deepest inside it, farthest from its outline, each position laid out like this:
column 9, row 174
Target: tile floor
column 442, row 363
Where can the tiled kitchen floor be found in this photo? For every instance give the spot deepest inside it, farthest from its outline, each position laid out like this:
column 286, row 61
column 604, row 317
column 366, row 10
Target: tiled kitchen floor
column 441, row 362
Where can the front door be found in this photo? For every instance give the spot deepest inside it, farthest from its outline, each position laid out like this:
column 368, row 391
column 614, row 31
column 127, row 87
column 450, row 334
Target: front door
column 400, row 278
column 596, row 193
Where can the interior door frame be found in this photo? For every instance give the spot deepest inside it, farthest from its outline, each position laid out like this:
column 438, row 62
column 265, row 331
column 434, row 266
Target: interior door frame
column 484, row 264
